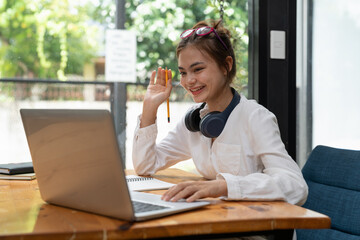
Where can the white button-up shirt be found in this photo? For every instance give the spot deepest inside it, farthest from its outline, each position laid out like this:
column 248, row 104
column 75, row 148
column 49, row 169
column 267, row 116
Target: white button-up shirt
column 248, row 154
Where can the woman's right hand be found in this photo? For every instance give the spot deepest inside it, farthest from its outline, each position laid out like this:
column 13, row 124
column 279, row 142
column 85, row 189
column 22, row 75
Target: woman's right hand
column 157, row 92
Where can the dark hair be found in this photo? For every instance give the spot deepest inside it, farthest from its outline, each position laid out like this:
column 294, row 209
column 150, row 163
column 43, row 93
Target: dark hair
column 212, row 46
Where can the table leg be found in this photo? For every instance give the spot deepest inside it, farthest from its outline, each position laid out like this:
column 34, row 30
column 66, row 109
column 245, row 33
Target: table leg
column 282, row 235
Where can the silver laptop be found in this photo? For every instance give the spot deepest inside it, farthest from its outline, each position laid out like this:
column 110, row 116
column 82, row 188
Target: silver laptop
column 78, row 165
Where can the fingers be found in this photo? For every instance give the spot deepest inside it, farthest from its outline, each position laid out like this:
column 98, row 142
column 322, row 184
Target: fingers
column 161, row 77
column 173, row 191
column 187, row 190
column 152, row 78
column 192, row 191
column 169, row 77
column 197, row 195
column 157, row 83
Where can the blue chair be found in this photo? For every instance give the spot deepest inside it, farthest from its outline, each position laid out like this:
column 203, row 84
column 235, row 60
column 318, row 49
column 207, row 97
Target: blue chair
column 333, row 177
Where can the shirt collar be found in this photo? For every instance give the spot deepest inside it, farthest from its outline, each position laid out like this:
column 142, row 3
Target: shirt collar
column 204, row 111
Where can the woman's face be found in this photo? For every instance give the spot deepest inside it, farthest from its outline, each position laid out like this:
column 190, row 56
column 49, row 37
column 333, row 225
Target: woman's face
column 202, row 77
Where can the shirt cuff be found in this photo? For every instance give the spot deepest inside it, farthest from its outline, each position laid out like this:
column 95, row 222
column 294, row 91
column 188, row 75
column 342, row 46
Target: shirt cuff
column 234, row 192
column 146, row 132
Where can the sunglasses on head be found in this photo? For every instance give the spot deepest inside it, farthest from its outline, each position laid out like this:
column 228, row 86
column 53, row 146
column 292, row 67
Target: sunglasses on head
column 201, row 32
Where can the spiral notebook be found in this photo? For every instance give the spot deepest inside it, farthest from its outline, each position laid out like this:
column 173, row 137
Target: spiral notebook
column 137, row 183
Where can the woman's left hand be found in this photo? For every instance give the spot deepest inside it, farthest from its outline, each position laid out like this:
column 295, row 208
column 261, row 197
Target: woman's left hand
column 194, row 190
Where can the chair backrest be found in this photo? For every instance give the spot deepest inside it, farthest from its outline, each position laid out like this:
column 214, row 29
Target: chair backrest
column 333, row 177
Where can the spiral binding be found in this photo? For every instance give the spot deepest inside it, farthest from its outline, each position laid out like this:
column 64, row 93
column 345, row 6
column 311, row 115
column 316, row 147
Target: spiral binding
column 137, row 179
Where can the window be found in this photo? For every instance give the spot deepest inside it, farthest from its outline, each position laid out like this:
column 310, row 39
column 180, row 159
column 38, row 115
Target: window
column 43, row 41
column 328, row 74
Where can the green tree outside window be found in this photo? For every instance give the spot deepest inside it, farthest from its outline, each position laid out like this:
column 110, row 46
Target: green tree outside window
column 54, row 39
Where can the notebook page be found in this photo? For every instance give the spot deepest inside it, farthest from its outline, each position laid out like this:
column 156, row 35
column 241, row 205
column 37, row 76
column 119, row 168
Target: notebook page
column 137, row 183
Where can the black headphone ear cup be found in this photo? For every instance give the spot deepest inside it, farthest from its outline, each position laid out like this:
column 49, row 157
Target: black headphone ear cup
column 212, row 124
column 192, row 120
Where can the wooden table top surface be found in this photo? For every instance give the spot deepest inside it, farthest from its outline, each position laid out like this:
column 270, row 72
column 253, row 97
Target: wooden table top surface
column 24, row 213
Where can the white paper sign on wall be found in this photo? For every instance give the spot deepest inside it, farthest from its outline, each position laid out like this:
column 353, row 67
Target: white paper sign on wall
column 120, row 58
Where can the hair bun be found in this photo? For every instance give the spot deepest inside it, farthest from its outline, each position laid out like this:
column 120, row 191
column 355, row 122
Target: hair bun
column 218, row 25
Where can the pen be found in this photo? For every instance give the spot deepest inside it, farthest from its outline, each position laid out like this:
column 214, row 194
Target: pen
column 167, row 100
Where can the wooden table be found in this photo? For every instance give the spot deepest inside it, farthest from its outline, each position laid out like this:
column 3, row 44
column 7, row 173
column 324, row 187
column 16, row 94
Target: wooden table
column 23, row 215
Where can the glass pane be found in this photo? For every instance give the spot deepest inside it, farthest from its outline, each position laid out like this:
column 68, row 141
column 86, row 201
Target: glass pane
column 65, row 40
column 336, row 85
column 17, row 95
column 334, row 60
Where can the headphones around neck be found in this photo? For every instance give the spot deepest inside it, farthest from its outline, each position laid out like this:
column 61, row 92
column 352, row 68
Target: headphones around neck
column 212, row 124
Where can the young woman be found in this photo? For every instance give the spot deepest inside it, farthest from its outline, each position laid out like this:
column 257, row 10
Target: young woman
column 234, row 142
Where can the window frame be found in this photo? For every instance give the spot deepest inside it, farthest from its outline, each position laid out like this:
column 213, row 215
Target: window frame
column 272, row 82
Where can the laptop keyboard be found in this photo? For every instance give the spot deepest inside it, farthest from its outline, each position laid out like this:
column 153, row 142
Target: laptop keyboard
column 146, row 207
